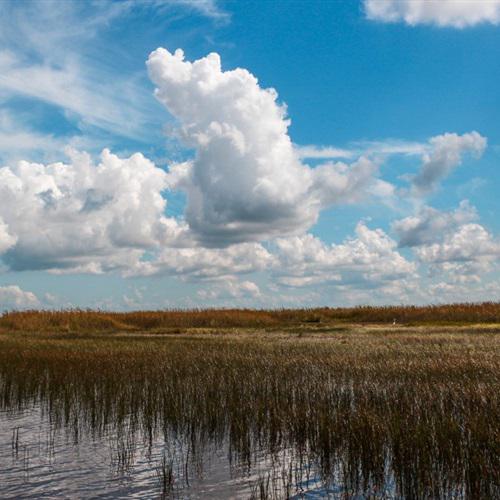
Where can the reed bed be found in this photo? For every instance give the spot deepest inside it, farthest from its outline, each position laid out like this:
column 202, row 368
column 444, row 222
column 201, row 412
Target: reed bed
column 77, row 320
column 393, row 414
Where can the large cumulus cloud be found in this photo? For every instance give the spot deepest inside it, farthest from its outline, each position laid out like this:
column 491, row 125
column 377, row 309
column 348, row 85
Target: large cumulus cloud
column 246, row 181
column 80, row 216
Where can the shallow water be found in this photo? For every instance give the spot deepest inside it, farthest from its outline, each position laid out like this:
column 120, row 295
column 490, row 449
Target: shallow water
column 87, row 418
column 40, row 461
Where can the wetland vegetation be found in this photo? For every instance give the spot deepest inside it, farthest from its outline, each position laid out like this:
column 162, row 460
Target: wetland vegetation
column 339, row 401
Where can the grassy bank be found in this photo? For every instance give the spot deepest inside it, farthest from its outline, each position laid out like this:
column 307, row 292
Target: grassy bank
column 101, row 321
column 414, row 412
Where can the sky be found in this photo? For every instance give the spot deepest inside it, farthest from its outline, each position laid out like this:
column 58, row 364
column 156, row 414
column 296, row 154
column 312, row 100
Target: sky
column 203, row 153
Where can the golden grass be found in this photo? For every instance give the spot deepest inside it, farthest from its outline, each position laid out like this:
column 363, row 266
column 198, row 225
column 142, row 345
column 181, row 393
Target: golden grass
column 417, row 407
column 101, row 321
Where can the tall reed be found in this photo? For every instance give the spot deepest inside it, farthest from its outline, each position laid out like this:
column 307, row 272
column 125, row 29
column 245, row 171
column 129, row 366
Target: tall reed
column 77, row 320
column 363, row 411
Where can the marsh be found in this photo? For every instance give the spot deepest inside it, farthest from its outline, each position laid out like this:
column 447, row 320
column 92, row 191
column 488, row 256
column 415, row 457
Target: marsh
column 343, row 411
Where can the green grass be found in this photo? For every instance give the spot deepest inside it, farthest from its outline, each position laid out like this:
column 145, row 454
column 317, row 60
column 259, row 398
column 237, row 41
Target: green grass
column 357, row 405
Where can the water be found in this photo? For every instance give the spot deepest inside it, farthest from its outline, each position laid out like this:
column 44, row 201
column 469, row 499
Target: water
column 38, row 460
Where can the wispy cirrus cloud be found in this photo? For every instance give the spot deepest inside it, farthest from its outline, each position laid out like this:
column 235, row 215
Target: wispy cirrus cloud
column 208, row 8
column 385, row 147
column 19, row 140
column 63, row 65
column 53, row 65
column 312, row 152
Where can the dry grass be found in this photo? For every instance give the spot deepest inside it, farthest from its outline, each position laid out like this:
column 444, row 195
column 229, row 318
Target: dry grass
column 414, row 414
column 101, row 321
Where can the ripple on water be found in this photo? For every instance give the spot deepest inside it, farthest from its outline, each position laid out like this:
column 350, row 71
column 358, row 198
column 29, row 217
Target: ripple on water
column 40, row 462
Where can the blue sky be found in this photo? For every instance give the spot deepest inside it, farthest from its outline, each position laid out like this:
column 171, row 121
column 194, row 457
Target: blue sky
column 369, row 175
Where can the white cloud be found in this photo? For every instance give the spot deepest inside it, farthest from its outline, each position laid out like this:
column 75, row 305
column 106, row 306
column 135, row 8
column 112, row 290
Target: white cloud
column 208, row 8
column 390, row 147
column 363, row 148
column 247, row 185
column 230, row 289
column 134, row 299
column 470, row 243
column 322, row 152
column 446, row 153
column 18, row 141
column 453, row 13
column 356, row 149
column 52, row 52
column 371, row 256
column 83, row 217
column 337, row 183
column 444, row 292
column 206, row 263
column 6, row 239
column 56, row 65
column 246, row 182
column 13, row 297
column 430, row 224
column 450, row 242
